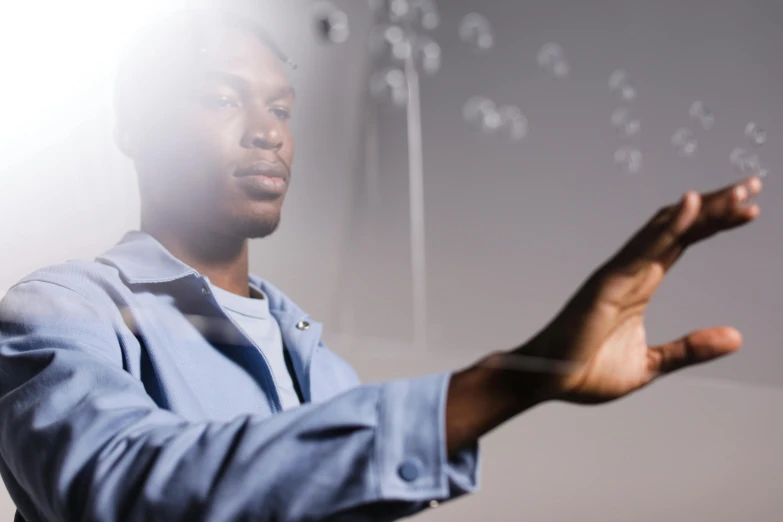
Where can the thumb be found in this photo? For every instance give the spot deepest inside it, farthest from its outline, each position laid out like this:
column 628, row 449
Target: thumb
column 696, row 347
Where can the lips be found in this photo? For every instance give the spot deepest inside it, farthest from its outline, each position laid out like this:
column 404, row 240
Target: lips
column 266, row 169
column 263, row 180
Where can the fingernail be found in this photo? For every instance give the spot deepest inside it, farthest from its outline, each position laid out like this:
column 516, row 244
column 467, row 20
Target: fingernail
column 754, row 185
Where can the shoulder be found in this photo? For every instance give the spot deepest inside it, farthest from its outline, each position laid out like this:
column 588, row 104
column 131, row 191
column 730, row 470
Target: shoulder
column 92, row 284
column 346, row 372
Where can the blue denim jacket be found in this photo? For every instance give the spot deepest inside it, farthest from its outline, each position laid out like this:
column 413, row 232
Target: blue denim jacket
column 126, row 393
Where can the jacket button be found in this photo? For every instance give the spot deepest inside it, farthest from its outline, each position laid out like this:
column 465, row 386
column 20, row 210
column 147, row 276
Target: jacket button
column 409, row 470
column 303, row 325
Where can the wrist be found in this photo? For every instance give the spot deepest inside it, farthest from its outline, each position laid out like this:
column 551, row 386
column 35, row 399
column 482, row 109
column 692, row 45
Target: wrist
column 519, row 380
column 484, row 396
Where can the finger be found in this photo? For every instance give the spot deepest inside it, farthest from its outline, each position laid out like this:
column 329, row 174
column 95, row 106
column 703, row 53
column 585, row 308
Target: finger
column 631, row 277
column 724, row 211
column 695, row 217
column 696, row 347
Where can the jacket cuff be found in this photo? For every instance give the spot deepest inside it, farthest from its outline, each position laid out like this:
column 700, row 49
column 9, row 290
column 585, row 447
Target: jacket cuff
column 411, row 444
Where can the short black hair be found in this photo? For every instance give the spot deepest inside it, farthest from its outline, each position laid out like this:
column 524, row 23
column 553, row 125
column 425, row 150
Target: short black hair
column 163, row 49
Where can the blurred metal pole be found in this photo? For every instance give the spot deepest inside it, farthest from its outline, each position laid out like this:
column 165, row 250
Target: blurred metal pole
column 416, row 188
column 366, row 199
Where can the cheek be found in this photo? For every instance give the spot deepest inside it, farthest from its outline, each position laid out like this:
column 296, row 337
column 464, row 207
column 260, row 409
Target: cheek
column 208, row 147
column 195, row 156
column 218, row 136
column 287, row 152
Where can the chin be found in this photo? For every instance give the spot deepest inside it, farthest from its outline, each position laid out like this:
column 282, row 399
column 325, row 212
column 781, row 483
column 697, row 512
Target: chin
column 255, row 227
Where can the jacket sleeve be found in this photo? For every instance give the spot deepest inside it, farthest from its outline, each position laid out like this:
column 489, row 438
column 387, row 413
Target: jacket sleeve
column 80, row 438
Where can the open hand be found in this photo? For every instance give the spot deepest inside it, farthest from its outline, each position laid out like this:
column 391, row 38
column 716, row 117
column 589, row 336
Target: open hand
column 600, row 333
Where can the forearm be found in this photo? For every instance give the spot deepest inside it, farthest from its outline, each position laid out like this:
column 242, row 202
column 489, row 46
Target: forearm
column 134, row 462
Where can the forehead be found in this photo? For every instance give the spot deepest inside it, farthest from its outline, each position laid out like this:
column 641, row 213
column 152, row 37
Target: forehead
column 241, row 51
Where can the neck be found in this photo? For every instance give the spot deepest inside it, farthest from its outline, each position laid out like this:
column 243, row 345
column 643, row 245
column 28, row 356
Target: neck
column 223, row 259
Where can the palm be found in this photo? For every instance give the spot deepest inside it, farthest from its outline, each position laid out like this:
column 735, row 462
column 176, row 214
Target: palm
column 618, row 366
column 601, row 330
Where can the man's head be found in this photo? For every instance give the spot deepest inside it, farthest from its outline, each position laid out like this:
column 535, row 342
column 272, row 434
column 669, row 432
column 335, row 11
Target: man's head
column 203, row 104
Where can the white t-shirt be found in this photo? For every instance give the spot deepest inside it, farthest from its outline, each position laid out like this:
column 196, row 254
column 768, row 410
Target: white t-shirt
column 253, row 317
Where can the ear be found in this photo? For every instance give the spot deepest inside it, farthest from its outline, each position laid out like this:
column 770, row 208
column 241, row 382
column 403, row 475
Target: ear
column 124, row 141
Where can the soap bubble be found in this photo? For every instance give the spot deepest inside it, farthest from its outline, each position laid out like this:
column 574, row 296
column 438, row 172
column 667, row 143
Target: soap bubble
column 428, row 54
column 513, row 121
column 747, row 163
column 756, row 134
column 737, row 155
column 389, row 86
column 623, row 120
column 476, row 31
column 491, row 122
column 482, row 111
column 399, row 10
column 391, row 40
column 429, row 16
column 628, row 159
column 331, row 23
column 620, row 85
column 423, row 13
column 701, row 114
column 684, row 141
column 490, row 119
column 551, row 57
column 475, row 107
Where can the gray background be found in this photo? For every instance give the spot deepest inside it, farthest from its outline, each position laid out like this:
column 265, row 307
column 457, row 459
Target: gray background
column 512, row 230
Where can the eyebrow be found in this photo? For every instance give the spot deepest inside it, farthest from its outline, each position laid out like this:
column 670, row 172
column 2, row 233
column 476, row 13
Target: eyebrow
column 241, row 84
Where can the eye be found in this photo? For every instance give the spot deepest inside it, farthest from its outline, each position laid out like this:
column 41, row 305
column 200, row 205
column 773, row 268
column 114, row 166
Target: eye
column 221, row 103
column 281, row 113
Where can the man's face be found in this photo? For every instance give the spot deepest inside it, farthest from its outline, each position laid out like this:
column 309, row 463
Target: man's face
column 220, row 154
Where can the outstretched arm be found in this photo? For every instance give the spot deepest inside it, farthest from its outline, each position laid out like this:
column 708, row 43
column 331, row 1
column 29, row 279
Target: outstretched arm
column 80, row 439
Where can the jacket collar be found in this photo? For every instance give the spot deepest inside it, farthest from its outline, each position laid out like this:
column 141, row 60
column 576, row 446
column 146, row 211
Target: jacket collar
column 141, row 259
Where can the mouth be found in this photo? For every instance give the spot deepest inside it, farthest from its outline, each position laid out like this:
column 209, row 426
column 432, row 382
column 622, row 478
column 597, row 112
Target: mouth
column 264, row 178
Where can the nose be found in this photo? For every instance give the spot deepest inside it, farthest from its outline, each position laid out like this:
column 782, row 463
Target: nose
column 267, row 141
column 264, row 135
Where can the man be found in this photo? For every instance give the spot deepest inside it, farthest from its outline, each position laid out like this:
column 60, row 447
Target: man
column 162, row 382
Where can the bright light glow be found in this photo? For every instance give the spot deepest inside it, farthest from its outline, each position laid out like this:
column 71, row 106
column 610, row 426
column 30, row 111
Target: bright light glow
column 58, row 55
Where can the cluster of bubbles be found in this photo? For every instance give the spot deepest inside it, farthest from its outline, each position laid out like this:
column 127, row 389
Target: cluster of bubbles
column 620, row 86
column 746, row 162
column 398, row 38
column 685, row 142
column 551, row 58
column 755, row 134
column 417, row 14
column 492, row 118
column 476, row 31
column 391, row 41
column 391, row 86
column 482, row 112
column 701, row 115
column 629, row 158
column 624, row 120
column 684, row 139
column 331, row 23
